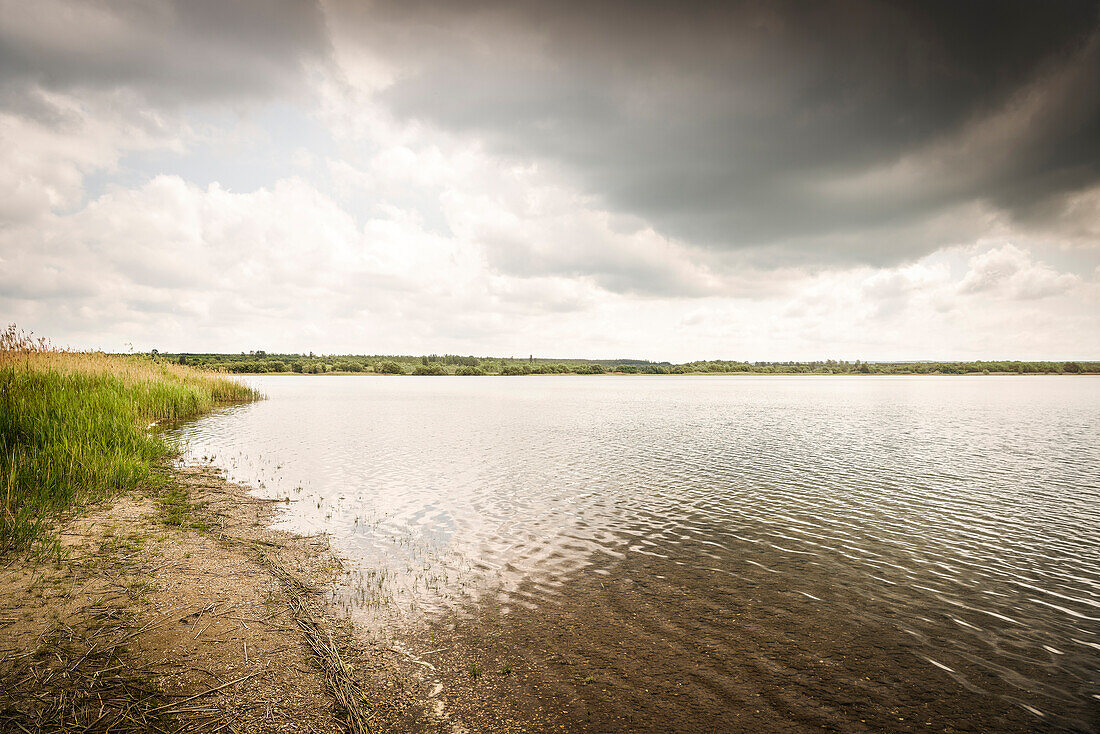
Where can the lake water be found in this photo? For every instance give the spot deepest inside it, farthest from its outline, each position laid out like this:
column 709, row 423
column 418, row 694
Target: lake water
column 848, row 552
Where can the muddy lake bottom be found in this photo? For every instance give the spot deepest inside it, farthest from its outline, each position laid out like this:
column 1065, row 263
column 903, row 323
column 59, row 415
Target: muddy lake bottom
column 695, row 554
column 597, row 661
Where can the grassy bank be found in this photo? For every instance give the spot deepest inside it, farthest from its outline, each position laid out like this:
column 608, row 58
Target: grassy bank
column 74, row 427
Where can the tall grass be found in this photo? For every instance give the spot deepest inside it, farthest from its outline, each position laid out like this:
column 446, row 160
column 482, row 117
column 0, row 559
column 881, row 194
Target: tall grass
column 74, row 427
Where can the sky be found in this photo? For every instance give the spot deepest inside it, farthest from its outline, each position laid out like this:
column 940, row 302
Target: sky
column 671, row 181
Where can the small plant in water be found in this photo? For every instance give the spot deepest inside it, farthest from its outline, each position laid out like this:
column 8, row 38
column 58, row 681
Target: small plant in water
column 475, row 671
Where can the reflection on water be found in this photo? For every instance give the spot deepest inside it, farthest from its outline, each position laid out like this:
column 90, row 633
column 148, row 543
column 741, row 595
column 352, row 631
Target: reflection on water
column 964, row 511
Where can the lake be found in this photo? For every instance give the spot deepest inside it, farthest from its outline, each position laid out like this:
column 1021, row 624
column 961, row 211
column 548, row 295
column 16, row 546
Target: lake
column 705, row 553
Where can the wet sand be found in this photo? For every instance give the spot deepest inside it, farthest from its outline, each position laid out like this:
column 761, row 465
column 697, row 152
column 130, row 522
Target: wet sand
column 180, row 617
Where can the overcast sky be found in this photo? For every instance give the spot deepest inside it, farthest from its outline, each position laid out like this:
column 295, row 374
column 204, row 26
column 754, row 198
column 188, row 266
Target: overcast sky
column 674, row 181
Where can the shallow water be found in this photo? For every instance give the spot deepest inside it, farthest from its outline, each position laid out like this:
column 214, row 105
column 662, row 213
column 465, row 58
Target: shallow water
column 961, row 514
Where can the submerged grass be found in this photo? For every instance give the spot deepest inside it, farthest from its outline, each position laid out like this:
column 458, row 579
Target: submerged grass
column 74, row 427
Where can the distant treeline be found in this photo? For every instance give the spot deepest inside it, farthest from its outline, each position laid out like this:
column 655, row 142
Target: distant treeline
column 259, row 362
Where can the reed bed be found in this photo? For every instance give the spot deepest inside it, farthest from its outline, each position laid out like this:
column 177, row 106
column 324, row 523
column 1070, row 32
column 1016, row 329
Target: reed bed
column 74, row 427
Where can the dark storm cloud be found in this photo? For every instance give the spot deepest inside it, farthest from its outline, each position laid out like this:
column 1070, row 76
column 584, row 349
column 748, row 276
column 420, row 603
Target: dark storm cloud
column 782, row 125
column 166, row 52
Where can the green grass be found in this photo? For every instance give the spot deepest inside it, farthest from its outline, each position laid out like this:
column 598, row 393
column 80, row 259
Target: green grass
column 74, row 428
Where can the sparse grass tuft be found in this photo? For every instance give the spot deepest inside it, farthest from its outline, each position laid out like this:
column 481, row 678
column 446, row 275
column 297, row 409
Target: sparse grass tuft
column 74, row 427
column 177, row 510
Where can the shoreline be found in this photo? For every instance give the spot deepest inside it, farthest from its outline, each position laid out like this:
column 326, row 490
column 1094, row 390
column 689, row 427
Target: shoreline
column 179, row 609
column 859, row 375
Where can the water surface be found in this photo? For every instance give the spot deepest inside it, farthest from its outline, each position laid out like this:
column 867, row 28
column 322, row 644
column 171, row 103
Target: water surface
column 762, row 538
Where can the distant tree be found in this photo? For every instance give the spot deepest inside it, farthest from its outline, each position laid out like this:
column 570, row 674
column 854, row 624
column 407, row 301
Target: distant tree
column 432, row 368
column 390, row 367
column 1071, row 367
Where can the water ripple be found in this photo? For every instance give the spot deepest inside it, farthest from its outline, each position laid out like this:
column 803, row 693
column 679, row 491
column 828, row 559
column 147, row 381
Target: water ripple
column 965, row 511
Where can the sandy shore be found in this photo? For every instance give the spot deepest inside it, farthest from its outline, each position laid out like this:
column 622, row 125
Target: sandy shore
column 178, row 610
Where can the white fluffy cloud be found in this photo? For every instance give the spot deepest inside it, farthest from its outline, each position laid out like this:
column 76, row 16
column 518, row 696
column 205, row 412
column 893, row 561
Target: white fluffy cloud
column 175, row 266
column 48, row 153
column 1010, row 272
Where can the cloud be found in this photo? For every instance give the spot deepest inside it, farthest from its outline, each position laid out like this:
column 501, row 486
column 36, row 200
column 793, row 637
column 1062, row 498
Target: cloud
column 176, row 266
column 46, row 162
column 82, row 85
column 1010, row 272
column 170, row 51
column 753, row 180
column 169, row 260
column 763, row 126
column 526, row 223
column 538, row 229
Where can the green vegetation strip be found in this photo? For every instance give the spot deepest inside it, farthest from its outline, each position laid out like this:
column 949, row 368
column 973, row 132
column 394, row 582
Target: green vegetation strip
column 260, row 362
column 74, row 428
